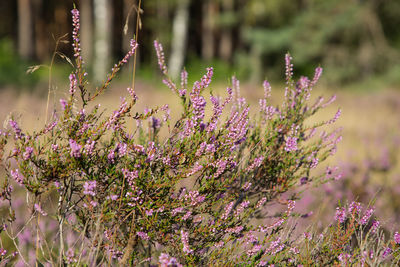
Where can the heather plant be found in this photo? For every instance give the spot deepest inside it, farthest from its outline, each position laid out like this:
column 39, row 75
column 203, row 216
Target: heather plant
column 194, row 196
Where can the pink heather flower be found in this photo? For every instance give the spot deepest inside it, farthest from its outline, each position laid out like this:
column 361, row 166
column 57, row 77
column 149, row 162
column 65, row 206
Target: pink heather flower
column 89, row 188
column 122, row 149
column 294, row 250
column 256, row 163
column 290, row 208
column 196, row 168
column 143, row 235
column 210, row 148
column 39, row 209
column 241, row 207
column 3, row 252
column 343, row 258
column 228, row 209
column 63, row 103
column 275, row 225
column 367, row 215
column 165, row 261
column 112, row 197
column 314, row 163
column 130, row 53
column 267, row 89
column 246, row 186
column 221, row 166
column 235, row 230
column 75, row 33
column 330, row 101
column 187, row 215
column 355, row 206
column 113, row 120
column 340, row 214
column 130, row 176
column 70, row 256
column 195, row 198
column 275, row 247
column 14, row 125
column 149, row 212
column 219, row 244
column 28, row 153
column 72, row 83
column 289, row 69
column 185, row 242
column 251, row 238
column 254, row 250
column 336, row 117
column 50, row 126
column 386, row 252
column 17, row 176
column 169, row 84
column 317, row 75
column 375, row 227
column 261, row 202
column 89, row 147
column 160, row 57
column 184, row 81
column 111, row 156
column 75, row 148
column 176, row 211
column 291, row 144
column 396, row 237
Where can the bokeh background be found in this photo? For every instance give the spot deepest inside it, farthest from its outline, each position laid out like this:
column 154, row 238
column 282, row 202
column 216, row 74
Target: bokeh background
column 357, row 42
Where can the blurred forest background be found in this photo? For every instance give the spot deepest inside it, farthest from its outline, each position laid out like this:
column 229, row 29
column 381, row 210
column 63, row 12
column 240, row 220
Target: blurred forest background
column 354, row 40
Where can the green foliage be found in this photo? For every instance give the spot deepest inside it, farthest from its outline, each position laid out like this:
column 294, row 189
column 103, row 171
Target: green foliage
column 13, row 69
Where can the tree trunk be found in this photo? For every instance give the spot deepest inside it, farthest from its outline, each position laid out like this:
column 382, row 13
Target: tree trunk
column 86, row 30
column 208, row 25
column 179, row 37
column 102, row 43
column 225, row 46
column 26, row 43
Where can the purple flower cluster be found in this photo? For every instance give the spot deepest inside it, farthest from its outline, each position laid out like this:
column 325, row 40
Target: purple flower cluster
column 227, row 210
column 28, row 153
column 195, row 198
column 185, row 242
column 39, row 209
column 143, row 235
column 396, row 237
column 72, row 85
column 160, row 56
column 340, row 215
column 75, row 148
column 275, row 247
column 113, row 120
column 130, row 53
column 291, row 144
column 184, row 82
column 89, row 188
column 75, row 34
column 17, row 176
column 241, row 207
column 367, row 215
column 3, row 252
column 167, row 261
column 14, row 125
column 89, row 147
